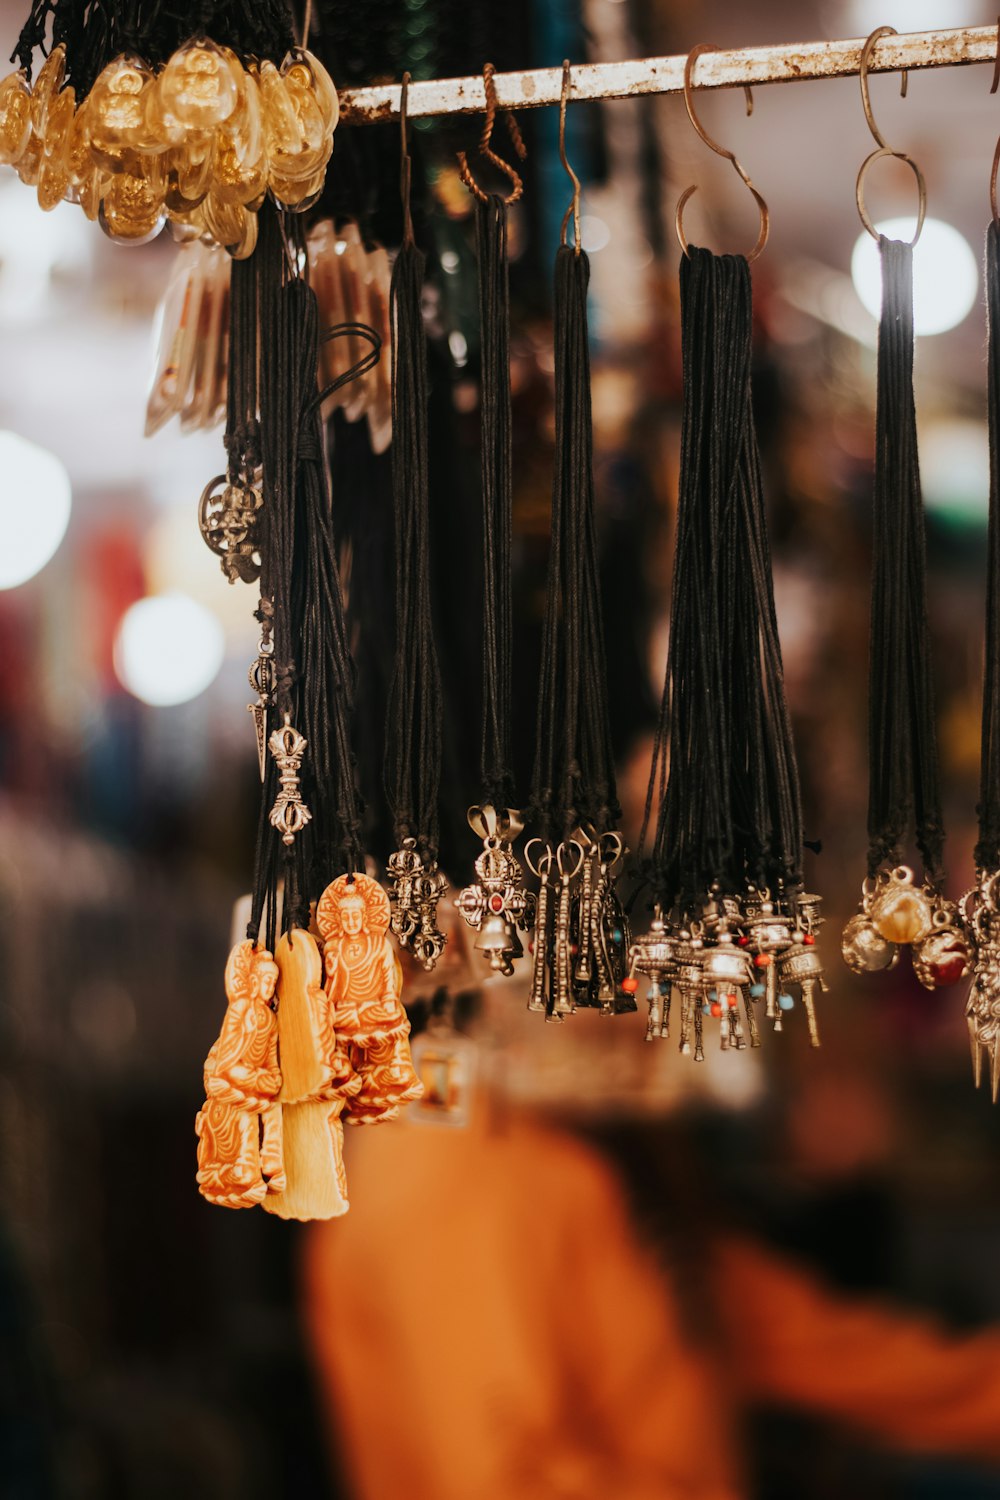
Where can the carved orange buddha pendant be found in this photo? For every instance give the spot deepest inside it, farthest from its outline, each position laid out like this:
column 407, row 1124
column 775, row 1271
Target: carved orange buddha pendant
column 363, row 983
column 239, row 1126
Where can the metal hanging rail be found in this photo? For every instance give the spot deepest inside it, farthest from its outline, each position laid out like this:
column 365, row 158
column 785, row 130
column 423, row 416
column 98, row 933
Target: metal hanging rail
column 665, row 75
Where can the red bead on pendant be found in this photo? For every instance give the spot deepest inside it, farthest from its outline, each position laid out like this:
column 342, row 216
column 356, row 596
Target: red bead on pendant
column 949, row 970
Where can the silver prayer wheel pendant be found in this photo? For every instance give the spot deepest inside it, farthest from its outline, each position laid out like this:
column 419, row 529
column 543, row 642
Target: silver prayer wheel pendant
column 654, row 956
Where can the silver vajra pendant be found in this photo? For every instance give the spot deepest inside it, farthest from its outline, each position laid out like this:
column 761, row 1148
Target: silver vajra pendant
column 980, row 914
column 289, row 815
column 415, row 889
column 227, row 519
column 497, row 904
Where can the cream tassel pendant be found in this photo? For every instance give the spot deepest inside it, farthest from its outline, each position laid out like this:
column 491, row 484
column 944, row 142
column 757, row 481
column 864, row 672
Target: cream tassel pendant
column 315, row 1080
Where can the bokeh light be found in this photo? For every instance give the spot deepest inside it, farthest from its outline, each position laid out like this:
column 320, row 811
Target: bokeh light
column 35, row 501
column 168, row 649
column 945, row 274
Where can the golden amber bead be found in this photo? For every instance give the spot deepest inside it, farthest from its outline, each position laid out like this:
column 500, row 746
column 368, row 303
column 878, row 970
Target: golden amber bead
column 309, row 117
column 326, row 94
column 59, row 125
column 225, row 222
column 199, row 86
column 298, row 196
column 116, row 112
column 53, row 184
column 281, row 126
column 191, row 168
column 248, row 243
column 902, row 913
column 236, row 180
column 48, row 83
column 90, row 189
column 29, row 163
column 79, row 161
column 132, row 209
column 15, row 118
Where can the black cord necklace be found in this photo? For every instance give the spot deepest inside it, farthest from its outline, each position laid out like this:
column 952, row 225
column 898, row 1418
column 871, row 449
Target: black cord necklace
column 581, row 933
column 414, row 721
column 731, row 924
column 902, row 744
column 903, row 789
column 496, row 904
column 980, row 907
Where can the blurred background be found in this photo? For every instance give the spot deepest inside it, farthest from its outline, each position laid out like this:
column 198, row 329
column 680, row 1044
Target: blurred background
column 155, row 1345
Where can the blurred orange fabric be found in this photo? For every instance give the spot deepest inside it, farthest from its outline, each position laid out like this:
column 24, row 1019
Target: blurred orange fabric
column 487, row 1323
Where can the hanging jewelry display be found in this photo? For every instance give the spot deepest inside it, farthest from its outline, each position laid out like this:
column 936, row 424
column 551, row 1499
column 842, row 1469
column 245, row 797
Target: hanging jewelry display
column 897, row 909
column 413, row 726
column 581, row 933
column 980, row 907
column 731, row 926
column 340, row 1050
column 497, row 904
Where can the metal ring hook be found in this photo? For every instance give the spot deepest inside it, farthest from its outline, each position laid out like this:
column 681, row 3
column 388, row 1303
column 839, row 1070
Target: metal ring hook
column 486, row 149
column 564, row 863
column 611, row 849
column 884, row 149
column 405, row 164
column 741, row 172
column 543, row 864
column 574, row 208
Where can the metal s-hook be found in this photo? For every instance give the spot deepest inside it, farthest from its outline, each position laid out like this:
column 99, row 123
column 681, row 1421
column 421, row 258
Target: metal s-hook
column 765, row 216
column 884, row 149
column 486, row 149
column 573, row 212
column 405, row 164
column 866, row 98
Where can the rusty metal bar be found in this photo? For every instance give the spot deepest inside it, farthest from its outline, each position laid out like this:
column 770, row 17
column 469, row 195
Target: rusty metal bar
column 665, row 75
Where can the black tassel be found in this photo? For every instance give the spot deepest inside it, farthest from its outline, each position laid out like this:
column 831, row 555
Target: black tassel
column 574, row 775
column 313, row 670
column 723, row 779
column 902, row 745
column 988, row 846
column 413, row 730
column 494, row 312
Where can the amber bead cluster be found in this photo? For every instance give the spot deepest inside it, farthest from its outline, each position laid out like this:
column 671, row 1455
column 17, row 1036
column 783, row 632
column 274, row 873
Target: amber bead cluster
column 896, row 912
column 199, row 143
